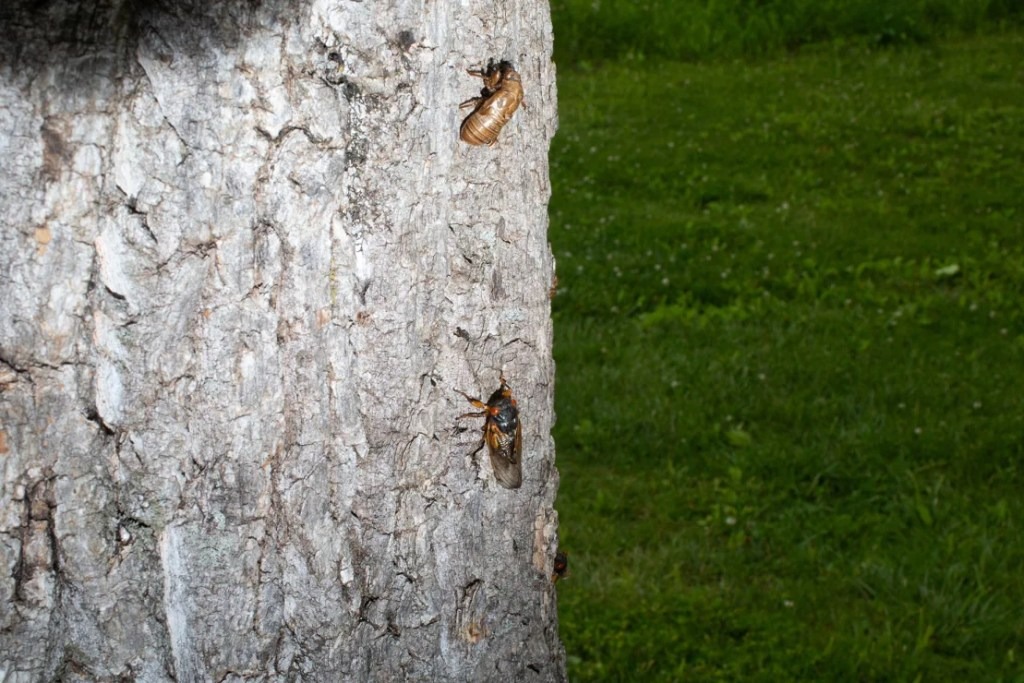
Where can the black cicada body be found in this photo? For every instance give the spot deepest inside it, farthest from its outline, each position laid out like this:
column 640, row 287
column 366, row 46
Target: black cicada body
column 503, row 434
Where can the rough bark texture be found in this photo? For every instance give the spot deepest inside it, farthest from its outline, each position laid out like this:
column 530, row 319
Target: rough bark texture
column 245, row 265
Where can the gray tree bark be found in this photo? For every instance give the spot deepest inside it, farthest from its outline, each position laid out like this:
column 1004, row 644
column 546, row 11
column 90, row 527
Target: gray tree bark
column 245, row 265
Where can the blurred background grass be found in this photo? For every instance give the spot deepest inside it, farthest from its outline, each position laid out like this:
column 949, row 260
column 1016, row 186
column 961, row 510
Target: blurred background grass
column 790, row 339
column 602, row 30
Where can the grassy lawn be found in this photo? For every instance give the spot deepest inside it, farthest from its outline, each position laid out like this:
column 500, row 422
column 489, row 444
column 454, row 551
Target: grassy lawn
column 790, row 348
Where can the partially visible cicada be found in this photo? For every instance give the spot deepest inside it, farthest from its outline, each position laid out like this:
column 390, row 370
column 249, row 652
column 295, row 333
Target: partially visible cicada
column 503, row 434
column 561, row 567
column 501, row 96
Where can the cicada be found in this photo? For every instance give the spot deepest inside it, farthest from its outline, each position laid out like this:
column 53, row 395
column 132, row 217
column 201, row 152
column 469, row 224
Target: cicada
column 561, row 567
column 503, row 434
column 501, row 96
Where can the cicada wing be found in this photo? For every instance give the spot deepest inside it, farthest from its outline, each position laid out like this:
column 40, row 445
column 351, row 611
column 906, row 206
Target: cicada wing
column 506, row 457
column 517, row 447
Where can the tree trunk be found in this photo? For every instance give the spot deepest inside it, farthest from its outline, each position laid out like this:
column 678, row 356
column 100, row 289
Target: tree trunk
column 246, row 264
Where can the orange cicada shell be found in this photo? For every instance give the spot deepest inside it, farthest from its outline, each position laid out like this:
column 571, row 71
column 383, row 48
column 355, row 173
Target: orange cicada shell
column 501, row 96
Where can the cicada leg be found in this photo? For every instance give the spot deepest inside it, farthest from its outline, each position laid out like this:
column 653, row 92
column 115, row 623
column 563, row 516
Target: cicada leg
column 477, row 403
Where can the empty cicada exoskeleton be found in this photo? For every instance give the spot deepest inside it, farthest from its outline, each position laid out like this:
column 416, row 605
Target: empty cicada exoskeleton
column 501, row 96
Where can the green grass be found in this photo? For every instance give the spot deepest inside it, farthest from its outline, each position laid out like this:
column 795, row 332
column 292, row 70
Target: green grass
column 790, row 348
column 598, row 30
